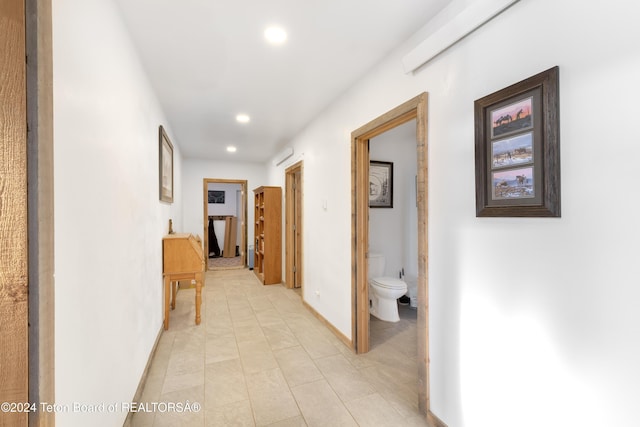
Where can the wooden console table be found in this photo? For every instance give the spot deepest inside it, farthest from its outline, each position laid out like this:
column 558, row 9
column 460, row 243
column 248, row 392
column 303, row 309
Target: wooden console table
column 182, row 259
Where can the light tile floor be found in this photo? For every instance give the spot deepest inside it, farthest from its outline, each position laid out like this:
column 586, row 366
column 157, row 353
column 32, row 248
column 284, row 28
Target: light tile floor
column 260, row 358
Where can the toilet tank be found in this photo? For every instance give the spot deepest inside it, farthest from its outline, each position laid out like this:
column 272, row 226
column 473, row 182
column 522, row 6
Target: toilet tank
column 376, row 265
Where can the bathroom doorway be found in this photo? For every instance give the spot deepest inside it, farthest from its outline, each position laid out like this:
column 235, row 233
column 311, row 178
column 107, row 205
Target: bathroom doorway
column 414, row 109
column 293, row 226
column 230, row 196
column 393, row 235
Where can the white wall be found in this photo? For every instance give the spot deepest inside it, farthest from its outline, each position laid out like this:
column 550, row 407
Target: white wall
column 196, row 170
column 532, row 321
column 393, row 232
column 109, row 221
column 325, row 153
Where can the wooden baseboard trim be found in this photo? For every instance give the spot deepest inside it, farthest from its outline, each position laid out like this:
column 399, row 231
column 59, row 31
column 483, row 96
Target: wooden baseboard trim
column 434, row 421
column 332, row 328
column 143, row 380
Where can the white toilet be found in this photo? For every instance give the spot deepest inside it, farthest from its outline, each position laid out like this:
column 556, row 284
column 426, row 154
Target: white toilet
column 383, row 291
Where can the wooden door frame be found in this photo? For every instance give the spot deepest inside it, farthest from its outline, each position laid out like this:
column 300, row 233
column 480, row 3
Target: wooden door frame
column 415, row 108
column 243, row 220
column 289, row 221
column 14, row 227
column 26, row 192
column 41, row 208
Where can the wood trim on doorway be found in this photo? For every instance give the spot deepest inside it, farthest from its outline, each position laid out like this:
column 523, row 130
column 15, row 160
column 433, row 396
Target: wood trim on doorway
column 415, row 108
column 293, row 236
column 41, row 208
column 26, row 199
column 243, row 220
column 14, row 290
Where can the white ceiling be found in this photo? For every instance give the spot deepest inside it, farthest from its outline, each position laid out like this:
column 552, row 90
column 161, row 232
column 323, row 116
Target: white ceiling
column 208, row 61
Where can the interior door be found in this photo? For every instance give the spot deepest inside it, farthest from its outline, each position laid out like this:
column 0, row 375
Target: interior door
column 293, row 226
column 242, row 202
column 297, row 228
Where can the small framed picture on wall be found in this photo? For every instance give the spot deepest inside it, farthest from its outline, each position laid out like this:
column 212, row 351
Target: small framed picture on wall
column 166, row 167
column 216, row 196
column 380, row 184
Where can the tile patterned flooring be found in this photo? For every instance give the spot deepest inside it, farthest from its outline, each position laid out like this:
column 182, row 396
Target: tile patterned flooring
column 260, row 358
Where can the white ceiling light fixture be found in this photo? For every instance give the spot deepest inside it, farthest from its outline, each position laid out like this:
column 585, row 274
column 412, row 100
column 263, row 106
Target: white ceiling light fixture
column 231, row 149
column 243, row 118
column 275, row 35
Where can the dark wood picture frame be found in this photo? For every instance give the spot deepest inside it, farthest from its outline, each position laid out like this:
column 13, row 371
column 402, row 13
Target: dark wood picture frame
column 165, row 166
column 380, row 184
column 517, row 149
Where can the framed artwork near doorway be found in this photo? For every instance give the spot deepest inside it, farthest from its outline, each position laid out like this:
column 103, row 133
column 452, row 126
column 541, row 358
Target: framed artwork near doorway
column 380, row 184
column 518, row 150
column 166, row 167
column 216, row 196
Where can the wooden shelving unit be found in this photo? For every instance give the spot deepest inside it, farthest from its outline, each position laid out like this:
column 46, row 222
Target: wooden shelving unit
column 268, row 235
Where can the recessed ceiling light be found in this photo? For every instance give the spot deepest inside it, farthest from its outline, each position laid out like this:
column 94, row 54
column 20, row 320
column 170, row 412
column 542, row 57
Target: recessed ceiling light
column 243, row 118
column 275, row 35
column 231, row 149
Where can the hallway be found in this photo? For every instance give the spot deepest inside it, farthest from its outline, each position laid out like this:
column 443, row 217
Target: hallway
column 261, row 358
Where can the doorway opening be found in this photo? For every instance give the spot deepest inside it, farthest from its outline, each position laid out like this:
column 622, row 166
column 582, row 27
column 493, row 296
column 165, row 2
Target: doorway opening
column 415, row 108
column 225, row 224
column 393, row 237
column 293, row 226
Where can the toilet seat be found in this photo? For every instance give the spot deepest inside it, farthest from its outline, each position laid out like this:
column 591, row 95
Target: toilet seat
column 389, row 283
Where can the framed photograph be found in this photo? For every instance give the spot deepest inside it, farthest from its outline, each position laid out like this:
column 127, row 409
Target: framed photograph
column 380, row 184
column 166, row 167
column 512, row 151
column 216, row 196
column 517, row 149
